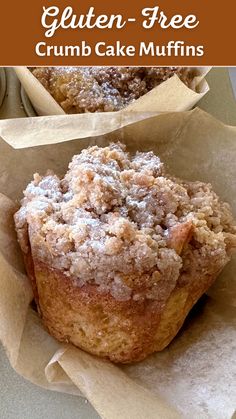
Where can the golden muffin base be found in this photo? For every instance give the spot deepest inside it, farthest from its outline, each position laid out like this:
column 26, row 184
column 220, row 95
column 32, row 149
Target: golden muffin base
column 122, row 331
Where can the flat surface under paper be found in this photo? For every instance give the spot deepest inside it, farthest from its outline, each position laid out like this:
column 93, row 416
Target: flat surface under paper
column 171, row 95
column 196, row 374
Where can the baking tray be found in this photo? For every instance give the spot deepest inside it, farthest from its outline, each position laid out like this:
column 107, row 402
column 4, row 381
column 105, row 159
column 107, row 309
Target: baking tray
column 3, row 85
column 28, row 107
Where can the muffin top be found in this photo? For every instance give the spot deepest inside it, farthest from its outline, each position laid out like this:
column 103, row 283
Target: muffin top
column 119, row 222
column 103, row 89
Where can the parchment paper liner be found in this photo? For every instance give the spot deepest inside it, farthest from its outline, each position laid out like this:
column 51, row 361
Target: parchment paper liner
column 172, row 95
column 196, row 373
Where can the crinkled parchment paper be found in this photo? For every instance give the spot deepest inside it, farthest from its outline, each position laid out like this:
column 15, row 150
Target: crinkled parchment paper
column 196, row 374
column 172, row 95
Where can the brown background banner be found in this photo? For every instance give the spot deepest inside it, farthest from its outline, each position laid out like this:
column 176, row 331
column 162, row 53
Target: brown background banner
column 21, row 30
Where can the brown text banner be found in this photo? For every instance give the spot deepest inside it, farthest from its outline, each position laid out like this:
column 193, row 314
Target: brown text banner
column 95, row 32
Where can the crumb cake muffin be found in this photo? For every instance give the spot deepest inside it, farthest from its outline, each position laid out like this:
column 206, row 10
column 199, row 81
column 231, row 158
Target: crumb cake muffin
column 103, row 89
column 118, row 251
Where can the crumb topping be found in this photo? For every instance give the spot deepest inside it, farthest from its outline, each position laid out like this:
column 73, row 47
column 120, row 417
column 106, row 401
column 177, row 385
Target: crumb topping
column 103, row 89
column 120, row 222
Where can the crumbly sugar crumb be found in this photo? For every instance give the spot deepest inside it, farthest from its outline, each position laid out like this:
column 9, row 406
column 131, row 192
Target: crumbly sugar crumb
column 120, row 222
column 103, row 89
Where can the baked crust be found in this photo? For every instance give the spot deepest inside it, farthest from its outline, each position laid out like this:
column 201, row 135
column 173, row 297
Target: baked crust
column 122, row 331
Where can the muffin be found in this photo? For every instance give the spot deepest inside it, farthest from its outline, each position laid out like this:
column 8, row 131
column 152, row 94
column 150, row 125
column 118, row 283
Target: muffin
column 118, row 251
column 103, row 89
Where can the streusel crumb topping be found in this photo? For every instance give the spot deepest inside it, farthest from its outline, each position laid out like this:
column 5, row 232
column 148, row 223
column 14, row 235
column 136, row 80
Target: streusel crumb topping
column 120, row 222
column 103, row 89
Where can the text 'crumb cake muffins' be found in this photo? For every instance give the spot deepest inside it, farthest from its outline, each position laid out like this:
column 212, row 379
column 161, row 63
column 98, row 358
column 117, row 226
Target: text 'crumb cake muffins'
column 118, row 251
column 103, row 89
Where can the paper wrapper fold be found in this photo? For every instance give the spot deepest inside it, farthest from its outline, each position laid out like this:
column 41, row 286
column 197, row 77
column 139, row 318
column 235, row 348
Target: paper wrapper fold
column 195, row 376
column 170, row 96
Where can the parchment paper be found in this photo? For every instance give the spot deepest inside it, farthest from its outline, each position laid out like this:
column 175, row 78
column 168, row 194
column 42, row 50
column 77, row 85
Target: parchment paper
column 195, row 375
column 171, row 95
